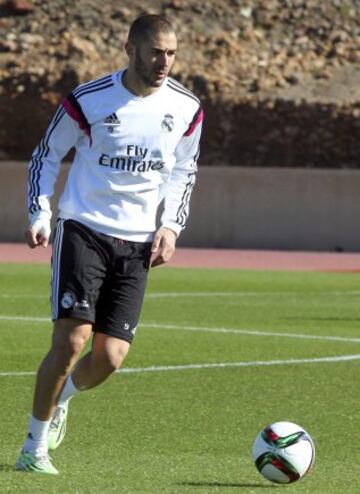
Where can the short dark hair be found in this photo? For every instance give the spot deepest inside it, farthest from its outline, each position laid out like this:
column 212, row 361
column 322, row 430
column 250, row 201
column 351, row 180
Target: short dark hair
column 147, row 25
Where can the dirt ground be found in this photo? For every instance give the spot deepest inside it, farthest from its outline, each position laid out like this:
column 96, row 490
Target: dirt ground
column 278, row 79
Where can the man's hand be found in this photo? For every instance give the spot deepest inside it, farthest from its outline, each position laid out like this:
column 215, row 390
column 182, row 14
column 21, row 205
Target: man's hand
column 163, row 246
column 38, row 234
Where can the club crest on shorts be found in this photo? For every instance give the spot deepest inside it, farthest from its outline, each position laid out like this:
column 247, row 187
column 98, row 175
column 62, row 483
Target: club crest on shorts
column 67, row 300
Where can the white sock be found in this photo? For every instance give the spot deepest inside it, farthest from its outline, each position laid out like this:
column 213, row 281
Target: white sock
column 37, row 439
column 69, row 390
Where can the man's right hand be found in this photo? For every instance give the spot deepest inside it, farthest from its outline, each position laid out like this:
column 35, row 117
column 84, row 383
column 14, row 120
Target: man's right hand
column 38, row 234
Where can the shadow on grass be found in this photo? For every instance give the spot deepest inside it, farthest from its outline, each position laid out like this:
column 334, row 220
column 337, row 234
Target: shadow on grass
column 226, row 484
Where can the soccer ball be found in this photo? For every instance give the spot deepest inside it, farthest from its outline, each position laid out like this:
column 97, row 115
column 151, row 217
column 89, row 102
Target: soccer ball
column 283, row 452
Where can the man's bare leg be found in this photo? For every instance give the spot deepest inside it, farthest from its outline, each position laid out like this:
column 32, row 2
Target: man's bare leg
column 69, row 339
column 107, row 355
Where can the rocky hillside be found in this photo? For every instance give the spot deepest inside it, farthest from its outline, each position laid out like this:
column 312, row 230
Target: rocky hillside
column 279, row 79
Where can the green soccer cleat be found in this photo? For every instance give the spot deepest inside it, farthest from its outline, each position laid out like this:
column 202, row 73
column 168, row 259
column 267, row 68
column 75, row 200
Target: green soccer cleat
column 35, row 463
column 57, row 428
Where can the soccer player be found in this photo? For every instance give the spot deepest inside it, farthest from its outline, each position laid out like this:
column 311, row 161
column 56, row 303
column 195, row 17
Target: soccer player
column 136, row 134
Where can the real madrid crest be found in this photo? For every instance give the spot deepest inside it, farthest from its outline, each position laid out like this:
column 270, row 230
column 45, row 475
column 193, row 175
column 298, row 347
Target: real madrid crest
column 67, row 300
column 168, row 123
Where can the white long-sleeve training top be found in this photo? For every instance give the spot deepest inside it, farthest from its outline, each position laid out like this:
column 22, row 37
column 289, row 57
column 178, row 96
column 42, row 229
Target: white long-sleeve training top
column 131, row 153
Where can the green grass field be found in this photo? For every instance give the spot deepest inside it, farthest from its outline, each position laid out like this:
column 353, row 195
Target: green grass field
column 176, row 420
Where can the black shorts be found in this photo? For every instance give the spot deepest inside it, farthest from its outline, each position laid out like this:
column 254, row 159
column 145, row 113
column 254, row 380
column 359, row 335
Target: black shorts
column 98, row 278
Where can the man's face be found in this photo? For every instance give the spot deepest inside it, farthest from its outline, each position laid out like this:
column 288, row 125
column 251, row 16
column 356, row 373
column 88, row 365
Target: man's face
column 153, row 58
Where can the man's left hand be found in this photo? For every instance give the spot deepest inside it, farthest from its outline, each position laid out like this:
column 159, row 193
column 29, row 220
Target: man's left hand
column 163, row 246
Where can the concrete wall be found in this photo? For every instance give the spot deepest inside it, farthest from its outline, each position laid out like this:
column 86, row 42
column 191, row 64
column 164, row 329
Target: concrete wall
column 276, row 208
column 234, row 207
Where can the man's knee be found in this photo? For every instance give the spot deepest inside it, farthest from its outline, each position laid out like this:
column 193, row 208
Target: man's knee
column 114, row 359
column 69, row 338
column 110, row 352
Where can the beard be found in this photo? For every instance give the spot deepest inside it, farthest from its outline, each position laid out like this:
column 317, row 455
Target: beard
column 144, row 72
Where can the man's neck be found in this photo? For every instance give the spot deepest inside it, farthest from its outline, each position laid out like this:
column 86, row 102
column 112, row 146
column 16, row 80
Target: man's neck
column 135, row 86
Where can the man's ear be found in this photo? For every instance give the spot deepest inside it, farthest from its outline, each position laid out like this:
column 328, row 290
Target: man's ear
column 129, row 49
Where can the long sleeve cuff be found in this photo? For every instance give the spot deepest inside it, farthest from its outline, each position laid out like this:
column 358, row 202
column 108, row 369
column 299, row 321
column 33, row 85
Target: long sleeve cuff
column 42, row 215
column 175, row 227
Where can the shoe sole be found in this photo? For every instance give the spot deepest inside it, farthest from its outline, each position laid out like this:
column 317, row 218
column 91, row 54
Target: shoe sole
column 26, row 469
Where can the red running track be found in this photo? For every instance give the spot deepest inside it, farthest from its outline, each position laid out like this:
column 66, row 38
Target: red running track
column 219, row 258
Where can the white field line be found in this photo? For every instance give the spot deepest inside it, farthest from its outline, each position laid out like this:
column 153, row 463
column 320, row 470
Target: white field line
column 248, row 294
column 224, row 365
column 164, row 294
column 220, row 365
column 249, row 332
column 156, row 295
column 25, row 318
